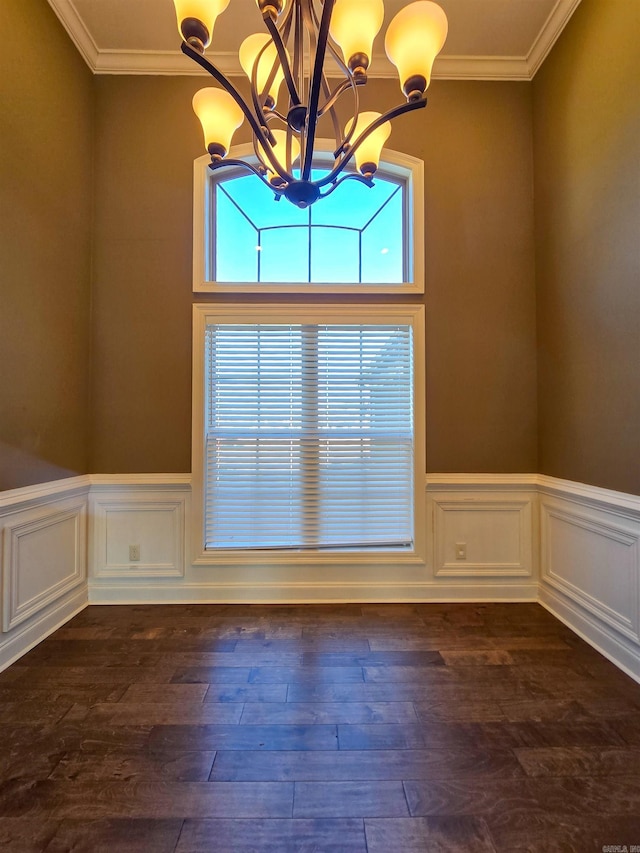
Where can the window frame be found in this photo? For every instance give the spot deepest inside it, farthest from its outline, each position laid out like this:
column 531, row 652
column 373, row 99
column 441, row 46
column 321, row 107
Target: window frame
column 208, row 313
column 397, row 166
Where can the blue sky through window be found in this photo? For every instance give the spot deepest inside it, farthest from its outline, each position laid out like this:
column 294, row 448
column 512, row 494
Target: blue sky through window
column 353, row 236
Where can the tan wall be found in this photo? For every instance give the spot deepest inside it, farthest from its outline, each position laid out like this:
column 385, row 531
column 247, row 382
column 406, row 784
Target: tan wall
column 45, row 221
column 587, row 208
column 475, row 139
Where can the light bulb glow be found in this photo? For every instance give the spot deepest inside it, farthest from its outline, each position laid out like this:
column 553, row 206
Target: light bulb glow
column 368, row 153
column 220, row 117
column 415, row 37
column 354, row 26
column 249, row 53
column 205, row 11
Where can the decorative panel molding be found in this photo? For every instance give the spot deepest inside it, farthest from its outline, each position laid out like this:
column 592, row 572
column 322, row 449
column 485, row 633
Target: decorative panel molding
column 590, row 566
column 147, row 514
column 588, row 540
column 593, row 557
column 44, row 557
column 496, row 536
column 492, row 517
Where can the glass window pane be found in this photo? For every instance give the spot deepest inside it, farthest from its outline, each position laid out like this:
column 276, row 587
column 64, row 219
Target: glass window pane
column 235, row 245
column 261, row 205
column 352, row 204
column 334, row 255
column 284, row 254
column 382, row 245
column 259, row 239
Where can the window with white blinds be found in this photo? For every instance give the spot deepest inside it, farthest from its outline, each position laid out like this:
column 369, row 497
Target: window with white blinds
column 308, row 436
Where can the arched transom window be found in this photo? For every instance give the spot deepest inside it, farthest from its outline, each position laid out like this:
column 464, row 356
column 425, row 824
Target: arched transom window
column 358, row 239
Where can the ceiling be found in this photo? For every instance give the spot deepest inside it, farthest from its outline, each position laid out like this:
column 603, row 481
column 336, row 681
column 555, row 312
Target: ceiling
column 488, row 39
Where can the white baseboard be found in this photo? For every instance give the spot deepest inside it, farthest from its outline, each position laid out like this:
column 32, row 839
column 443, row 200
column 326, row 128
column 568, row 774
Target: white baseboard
column 13, row 646
column 624, row 654
column 307, row 593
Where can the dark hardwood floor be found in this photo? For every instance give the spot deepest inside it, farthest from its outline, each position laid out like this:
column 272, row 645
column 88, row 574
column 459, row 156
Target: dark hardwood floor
column 332, row 729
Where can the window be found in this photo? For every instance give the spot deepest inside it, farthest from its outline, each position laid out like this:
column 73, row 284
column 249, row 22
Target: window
column 357, row 240
column 306, row 425
column 354, row 235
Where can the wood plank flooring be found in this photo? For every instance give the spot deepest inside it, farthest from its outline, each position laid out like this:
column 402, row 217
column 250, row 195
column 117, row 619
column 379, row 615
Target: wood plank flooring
column 332, row 729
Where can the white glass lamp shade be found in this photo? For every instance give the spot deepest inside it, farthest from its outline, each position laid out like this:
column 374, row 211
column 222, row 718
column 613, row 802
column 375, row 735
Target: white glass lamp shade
column 220, row 117
column 367, row 155
column 249, row 53
column 354, row 26
column 280, row 150
column 196, row 19
column 414, row 38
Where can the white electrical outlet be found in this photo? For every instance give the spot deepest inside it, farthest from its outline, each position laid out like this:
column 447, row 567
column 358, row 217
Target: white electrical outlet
column 461, row 550
column 134, row 553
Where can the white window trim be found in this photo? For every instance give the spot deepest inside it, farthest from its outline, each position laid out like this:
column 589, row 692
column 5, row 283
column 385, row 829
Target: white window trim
column 393, row 163
column 208, row 313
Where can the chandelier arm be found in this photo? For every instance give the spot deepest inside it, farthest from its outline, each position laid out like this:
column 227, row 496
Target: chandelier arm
column 332, row 112
column 333, row 97
column 330, row 46
column 350, row 177
column 256, row 96
column 275, row 165
column 298, row 47
column 231, row 89
column 232, row 161
column 268, row 152
column 316, row 82
column 274, row 114
column 388, row 116
column 356, row 112
column 282, row 56
column 244, row 165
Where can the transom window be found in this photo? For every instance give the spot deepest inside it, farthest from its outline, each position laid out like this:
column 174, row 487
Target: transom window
column 355, row 235
column 359, row 239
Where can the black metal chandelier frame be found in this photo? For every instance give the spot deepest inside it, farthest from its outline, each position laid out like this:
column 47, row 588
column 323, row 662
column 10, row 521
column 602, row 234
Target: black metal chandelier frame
column 312, row 30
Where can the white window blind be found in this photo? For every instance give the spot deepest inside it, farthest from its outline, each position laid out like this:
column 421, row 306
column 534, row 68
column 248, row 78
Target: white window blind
column 308, row 436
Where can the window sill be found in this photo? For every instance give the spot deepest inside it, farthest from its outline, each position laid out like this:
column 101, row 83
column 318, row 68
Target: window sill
column 385, row 556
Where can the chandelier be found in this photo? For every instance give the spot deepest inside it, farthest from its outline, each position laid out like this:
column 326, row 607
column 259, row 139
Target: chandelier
column 300, row 36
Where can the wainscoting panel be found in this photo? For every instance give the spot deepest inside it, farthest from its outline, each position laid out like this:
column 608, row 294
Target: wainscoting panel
column 482, row 526
column 495, row 535
column 594, row 563
column 44, row 556
column 148, row 515
column 43, row 561
column 573, row 547
column 590, row 562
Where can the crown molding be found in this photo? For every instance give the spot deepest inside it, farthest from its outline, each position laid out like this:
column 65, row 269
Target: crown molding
column 77, row 31
column 174, row 63
column 549, row 34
